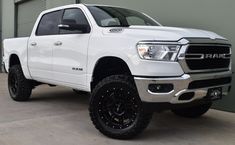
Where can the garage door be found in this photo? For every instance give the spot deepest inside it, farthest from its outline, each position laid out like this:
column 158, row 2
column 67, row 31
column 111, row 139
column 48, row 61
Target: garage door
column 27, row 13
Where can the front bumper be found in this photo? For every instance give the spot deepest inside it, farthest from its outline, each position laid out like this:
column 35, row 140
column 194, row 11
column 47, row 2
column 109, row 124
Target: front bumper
column 181, row 86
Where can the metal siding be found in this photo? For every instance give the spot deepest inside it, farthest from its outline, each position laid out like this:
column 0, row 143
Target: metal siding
column 214, row 15
column 27, row 13
column 56, row 3
column 0, row 35
column 8, row 19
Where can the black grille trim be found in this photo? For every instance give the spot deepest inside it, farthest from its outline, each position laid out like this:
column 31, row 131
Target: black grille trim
column 209, row 83
column 208, row 63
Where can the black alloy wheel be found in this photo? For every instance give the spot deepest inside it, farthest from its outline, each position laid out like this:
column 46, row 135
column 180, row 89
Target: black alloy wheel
column 116, row 109
column 19, row 87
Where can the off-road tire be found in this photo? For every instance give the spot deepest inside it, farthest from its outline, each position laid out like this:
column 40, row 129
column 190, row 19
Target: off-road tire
column 121, row 90
column 19, row 87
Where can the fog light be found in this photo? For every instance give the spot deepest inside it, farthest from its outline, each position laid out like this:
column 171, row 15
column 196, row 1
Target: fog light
column 160, row 88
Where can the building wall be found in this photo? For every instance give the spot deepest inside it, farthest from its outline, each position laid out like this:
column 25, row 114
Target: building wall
column 214, row 15
column 55, row 3
column 8, row 17
column 0, row 21
column 0, row 33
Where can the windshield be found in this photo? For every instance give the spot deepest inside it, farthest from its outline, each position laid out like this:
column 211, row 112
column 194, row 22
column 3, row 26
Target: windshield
column 119, row 17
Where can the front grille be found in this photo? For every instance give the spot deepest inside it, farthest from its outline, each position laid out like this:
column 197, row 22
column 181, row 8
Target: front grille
column 209, row 83
column 196, row 60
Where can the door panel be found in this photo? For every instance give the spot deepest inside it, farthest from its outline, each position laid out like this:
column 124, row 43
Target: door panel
column 40, row 57
column 40, row 47
column 70, row 58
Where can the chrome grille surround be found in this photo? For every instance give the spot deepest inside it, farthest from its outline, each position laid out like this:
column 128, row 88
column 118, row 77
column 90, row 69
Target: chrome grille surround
column 187, row 42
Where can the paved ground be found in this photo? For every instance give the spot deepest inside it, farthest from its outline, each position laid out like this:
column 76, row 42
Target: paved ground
column 57, row 116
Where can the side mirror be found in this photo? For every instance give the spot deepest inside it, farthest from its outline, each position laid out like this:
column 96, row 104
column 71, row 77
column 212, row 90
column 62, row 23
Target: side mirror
column 70, row 24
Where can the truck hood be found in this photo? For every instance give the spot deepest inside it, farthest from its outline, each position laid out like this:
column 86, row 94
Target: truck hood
column 167, row 33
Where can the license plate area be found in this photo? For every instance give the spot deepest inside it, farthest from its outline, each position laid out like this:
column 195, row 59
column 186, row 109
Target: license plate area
column 215, row 93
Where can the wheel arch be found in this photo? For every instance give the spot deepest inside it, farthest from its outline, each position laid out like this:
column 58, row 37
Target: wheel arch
column 106, row 66
column 14, row 60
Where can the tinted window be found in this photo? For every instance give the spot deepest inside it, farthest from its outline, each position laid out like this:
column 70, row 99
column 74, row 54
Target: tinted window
column 76, row 16
column 119, row 17
column 132, row 20
column 49, row 24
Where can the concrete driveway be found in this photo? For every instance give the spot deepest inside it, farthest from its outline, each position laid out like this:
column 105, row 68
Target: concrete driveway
column 57, row 116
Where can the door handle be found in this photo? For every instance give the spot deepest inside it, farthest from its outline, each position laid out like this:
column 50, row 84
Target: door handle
column 58, row 43
column 33, row 44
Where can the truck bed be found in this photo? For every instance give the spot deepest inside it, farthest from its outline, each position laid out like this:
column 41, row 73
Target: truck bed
column 16, row 46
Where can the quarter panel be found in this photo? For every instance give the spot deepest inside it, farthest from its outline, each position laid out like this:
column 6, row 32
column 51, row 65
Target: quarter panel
column 17, row 46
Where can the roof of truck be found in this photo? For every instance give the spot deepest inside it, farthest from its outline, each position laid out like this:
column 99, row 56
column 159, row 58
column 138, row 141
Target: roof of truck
column 81, row 4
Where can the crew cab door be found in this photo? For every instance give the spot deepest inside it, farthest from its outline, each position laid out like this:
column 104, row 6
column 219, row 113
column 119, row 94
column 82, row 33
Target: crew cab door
column 70, row 49
column 40, row 46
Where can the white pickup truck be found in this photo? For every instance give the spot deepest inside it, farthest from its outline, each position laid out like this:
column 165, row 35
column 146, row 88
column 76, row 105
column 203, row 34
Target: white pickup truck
column 131, row 65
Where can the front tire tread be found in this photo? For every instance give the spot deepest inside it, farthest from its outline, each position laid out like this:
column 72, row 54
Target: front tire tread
column 143, row 120
column 24, row 87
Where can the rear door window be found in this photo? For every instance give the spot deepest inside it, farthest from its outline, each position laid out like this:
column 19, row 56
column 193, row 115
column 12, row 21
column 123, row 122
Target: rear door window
column 49, row 23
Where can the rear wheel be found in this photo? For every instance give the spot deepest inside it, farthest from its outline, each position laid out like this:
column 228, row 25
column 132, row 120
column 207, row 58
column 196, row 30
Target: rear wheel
column 19, row 87
column 193, row 112
column 116, row 109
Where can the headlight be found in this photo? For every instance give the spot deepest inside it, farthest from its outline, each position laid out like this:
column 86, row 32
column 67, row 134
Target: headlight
column 160, row 52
